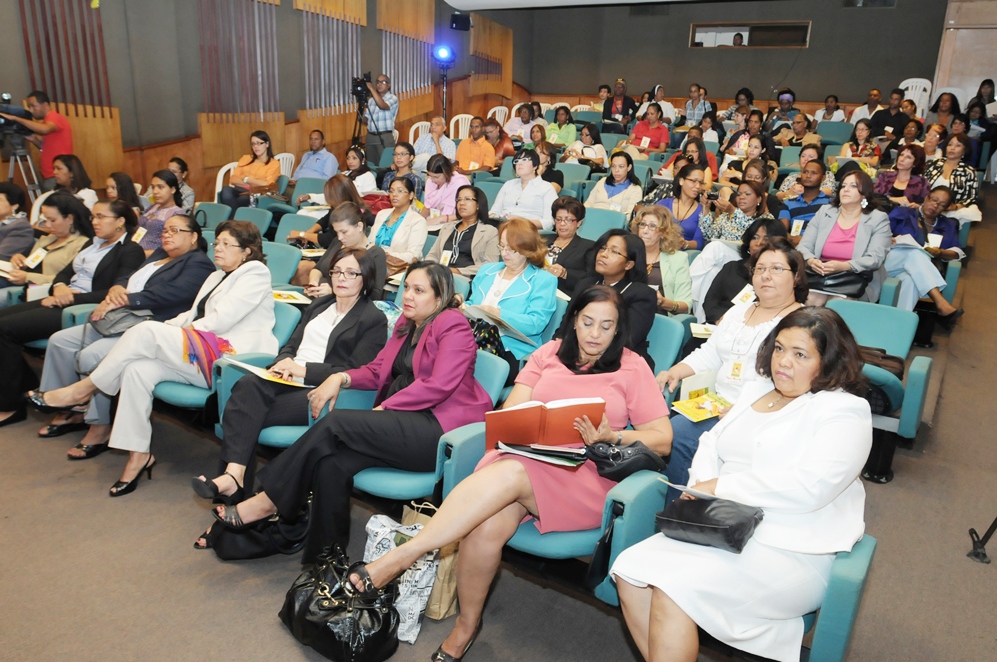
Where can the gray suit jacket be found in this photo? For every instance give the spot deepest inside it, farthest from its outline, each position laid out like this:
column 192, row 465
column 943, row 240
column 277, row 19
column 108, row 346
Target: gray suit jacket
column 872, row 243
column 484, row 247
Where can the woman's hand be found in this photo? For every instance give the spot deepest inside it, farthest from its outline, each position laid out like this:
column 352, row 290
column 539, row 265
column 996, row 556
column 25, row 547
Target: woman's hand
column 62, row 295
column 17, row 277
column 795, row 191
column 103, row 309
column 816, row 265
column 592, row 434
column 17, row 260
column 118, row 296
column 287, row 368
column 706, row 487
column 902, row 201
column 724, row 205
column 558, row 270
column 316, row 290
column 836, row 266
column 326, row 393
column 663, row 303
column 492, row 310
column 302, row 199
column 668, row 379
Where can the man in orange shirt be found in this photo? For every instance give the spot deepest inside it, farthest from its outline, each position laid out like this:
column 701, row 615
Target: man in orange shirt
column 52, row 133
column 475, row 153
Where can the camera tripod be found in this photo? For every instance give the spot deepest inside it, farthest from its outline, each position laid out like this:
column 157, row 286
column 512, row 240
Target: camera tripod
column 19, row 155
column 360, row 122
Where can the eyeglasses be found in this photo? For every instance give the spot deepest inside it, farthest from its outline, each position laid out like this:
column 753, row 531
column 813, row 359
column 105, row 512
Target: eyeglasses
column 104, row 217
column 611, row 251
column 382, row 81
column 506, row 249
column 348, row 275
column 647, row 226
column 775, row 270
column 518, row 161
column 169, row 232
column 223, row 245
column 257, row 143
column 466, row 200
column 565, row 219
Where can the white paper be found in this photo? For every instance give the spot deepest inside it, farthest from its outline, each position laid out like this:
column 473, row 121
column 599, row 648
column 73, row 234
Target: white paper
column 907, row 240
column 693, row 385
column 691, row 492
column 263, row 373
column 37, row 291
column 935, row 240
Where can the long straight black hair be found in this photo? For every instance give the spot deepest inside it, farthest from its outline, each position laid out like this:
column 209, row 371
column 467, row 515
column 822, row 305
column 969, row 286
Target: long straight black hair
column 568, row 352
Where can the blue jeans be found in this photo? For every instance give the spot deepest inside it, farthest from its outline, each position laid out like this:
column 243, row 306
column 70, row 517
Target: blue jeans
column 685, row 441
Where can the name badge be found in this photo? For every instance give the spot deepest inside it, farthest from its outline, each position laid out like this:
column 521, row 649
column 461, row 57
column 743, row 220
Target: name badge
column 615, row 207
column 434, row 213
column 797, row 227
column 474, row 165
column 139, row 234
column 645, row 142
column 736, row 369
column 747, row 295
column 35, row 258
column 445, row 258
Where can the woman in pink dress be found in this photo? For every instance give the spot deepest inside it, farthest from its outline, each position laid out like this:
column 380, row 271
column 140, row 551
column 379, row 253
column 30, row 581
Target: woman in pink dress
column 486, row 508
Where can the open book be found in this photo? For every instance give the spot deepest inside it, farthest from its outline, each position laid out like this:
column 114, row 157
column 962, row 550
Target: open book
column 263, row 373
column 561, row 457
column 5, row 268
column 550, row 424
column 290, row 296
column 312, row 253
column 477, row 313
column 701, row 408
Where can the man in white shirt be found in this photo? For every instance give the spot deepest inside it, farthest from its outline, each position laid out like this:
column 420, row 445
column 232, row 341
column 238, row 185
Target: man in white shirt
column 871, row 106
column 434, row 142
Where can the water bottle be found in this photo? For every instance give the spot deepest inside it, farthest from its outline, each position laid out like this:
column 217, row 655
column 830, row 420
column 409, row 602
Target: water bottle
column 252, row 200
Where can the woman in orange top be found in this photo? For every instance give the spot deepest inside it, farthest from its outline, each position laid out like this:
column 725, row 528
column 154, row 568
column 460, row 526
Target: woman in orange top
column 259, row 168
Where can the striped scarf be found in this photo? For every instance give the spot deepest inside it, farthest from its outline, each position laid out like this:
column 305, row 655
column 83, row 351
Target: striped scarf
column 202, row 348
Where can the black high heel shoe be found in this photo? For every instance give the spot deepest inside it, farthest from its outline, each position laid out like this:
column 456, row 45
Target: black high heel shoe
column 121, row 488
column 19, row 415
column 37, row 400
column 441, row 656
column 207, row 489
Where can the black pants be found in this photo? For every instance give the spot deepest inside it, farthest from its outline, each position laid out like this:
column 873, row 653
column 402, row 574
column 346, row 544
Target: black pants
column 256, row 404
column 20, row 324
column 327, row 457
column 232, row 197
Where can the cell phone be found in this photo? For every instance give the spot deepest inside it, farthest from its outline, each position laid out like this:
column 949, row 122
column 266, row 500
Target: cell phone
column 712, row 195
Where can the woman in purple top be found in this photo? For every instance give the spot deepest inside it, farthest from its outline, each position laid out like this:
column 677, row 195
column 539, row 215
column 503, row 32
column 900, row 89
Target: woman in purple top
column 441, row 189
column 904, row 184
column 167, row 203
column 685, row 206
column 420, row 396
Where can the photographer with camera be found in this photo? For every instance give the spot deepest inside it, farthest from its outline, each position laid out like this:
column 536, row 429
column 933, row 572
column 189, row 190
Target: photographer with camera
column 382, row 109
column 51, row 132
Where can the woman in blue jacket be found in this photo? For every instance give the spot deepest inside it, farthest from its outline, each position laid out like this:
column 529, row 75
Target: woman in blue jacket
column 517, row 289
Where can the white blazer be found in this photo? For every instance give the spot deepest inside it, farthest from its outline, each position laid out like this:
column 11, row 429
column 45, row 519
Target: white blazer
column 241, row 310
column 410, row 237
column 804, row 471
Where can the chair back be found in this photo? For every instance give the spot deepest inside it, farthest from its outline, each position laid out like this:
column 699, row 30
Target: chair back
column 289, row 222
column 222, row 177
column 835, row 133
column 611, row 140
column 417, row 130
column 789, row 155
column 560, row 308
column 508, row 171
column 286, row 160
column 712, row 147
column 428, row 246
column 261, row 218
column 286, row 318
column 282, row 260
column 582, row 107
column 491, row 372
column 888, row 328
column 36, row 208
column 460, row 126
column 665, row 341
column 387, row 158
column 917, row 90
column 491, row 189
column 214, row 214
column 587, row 116
column 598, row 221
column 692, row 254
column 500, row 113
column 574, row 172
column 644, row 172
column 308, row 186
column 515, row 110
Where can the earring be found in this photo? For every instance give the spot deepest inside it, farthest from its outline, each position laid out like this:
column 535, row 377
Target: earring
column 119, row 228
column 865, row 203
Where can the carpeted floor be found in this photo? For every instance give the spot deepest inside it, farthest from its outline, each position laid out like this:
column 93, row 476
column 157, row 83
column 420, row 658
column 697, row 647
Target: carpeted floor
column 86, row 577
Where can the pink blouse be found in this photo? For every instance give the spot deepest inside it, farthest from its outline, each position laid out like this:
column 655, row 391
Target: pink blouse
column 444, row 198
column 840, row 244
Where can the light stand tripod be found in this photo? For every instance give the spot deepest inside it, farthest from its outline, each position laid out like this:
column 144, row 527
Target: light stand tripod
column 443, row 77
column 979, row 551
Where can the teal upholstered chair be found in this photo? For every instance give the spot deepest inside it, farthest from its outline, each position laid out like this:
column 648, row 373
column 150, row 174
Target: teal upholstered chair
column 304, row 186
column 665, row 341
column 889, row 295
column 598, row 221
column 210, row 215
column 282, row 260
column 189, row 396
column 835, row 133
column 574, row 171
column 491, row 188
column 789, row 160
column 292, row 223
column 891, row 330
column 261, row 218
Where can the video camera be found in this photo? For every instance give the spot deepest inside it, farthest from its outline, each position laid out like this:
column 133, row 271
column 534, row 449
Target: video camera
column 15, row 130
column 359, row 87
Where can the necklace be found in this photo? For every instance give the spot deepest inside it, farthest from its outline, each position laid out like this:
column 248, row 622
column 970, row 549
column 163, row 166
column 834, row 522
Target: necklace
column 776, row 401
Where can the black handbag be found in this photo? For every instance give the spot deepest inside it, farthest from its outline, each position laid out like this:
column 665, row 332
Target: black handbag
column 322, row 610
column 487, row 337
column 850, row 284
column 719, row 523
column 268, row 537
column 617, row 462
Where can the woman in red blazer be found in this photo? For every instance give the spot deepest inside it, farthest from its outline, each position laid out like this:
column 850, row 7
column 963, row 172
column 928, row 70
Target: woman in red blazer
column 419, row 398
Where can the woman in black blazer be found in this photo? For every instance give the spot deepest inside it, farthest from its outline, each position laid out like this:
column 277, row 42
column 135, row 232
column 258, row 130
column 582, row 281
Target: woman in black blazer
column 109, row 258
column 338, row 332
column 164, row 285
column 569, row 257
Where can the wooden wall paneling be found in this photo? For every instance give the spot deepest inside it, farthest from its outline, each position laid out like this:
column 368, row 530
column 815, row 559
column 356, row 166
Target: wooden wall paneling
column 225, row 136
column 494, row 41
column 351, row 11
column 966, row 55
column 411, row 18
column 96, row 138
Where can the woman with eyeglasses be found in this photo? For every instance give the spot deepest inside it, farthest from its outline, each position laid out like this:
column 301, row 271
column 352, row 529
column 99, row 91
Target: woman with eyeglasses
column 684, row 203
column 105, row 259
column 588, row 149
column 233, row 313
column 404, row 156
column 164, row 285
column 338, row 332
column 469, row 242
column 667, row 265
column 860, row 146
column 401, row 231
column 349, row 223
column 167, row 203
column 621, row 263
column 621, row 190
column 259, row 168
column 528, row 197
column 569, row 257
column 66, row 222
column 780, row 283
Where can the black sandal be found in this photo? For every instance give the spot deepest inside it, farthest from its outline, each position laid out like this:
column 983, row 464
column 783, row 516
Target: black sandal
column 59, row 429
column 37, row 400
column 231, row 518
column 206, row 489
column 368, row 592
column 89, row 451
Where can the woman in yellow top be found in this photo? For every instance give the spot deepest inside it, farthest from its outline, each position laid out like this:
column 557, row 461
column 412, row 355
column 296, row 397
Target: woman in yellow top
column 258, row 168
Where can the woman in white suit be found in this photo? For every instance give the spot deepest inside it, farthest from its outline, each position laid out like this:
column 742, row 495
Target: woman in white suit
column 233, row 312
column 795, row 451
column 400, row 231
column 849, row 235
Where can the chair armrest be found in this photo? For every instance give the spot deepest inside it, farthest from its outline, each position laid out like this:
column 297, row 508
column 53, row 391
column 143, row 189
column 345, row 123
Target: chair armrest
column 284, row 287
column 348, row 399
column 890, row 294
column 633, row 503
column 12, row 295
column 226, row 375
column 915, row 394
column 841, row 602
column 459, row 452
column 952, row 271
column 76, row 315
column 686, row 321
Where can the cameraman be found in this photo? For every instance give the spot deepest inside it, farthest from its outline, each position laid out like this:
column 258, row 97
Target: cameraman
column 52, row 133
column 382, row 109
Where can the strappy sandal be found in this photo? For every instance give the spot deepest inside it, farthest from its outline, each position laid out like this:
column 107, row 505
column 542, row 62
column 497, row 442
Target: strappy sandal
column 59, row 429
column 207, row 489
column 37, row 400
column 231, row 519
column 89, row 451
column 367, row 590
